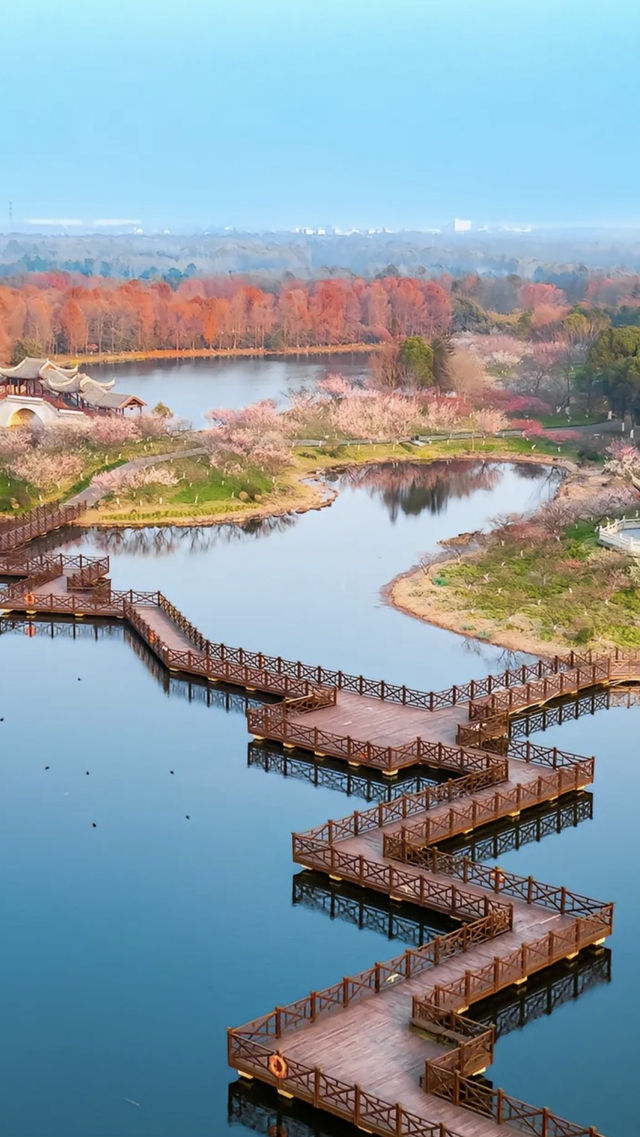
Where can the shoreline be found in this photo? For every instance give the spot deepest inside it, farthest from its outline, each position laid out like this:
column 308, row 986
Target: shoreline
column 115, row 357
column 309, row 491
column 396, row 593
column 318, row 496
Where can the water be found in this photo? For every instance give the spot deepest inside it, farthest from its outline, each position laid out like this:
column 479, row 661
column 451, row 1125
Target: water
column 192, row 386
column 596, row 858
column 308, row 586
column 129, row 947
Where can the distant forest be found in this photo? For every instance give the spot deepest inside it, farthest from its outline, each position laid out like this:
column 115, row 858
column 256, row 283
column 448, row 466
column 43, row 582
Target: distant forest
column 56, row 313
column 564, row 259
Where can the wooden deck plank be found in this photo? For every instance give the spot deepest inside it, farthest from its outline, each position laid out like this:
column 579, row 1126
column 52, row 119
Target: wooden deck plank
column 385, row 723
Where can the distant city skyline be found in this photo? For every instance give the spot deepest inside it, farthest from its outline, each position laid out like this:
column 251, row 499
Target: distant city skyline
column 364, row 114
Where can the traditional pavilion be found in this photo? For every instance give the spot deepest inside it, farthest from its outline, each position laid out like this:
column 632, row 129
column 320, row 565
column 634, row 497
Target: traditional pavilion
column 65, row 387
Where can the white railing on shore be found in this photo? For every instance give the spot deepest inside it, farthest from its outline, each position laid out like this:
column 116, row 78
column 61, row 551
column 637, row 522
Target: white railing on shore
column 613, row 535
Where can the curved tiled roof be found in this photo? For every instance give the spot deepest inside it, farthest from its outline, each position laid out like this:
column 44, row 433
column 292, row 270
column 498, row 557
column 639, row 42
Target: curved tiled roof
column 33, row 368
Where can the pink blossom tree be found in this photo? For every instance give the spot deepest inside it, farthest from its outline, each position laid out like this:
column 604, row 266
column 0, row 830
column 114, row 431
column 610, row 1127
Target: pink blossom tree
column 45, row 470
column 252, row 436
column 623, row 459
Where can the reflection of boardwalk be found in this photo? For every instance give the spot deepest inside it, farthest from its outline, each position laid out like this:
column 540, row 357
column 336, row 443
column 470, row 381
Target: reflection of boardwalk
column 393, row 1049
column 413, row 926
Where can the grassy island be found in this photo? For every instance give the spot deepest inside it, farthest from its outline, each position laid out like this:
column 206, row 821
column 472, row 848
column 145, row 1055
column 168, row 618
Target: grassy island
column 542, row 584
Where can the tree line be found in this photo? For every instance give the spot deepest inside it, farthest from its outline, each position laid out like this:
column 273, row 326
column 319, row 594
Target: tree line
column 57, row 313
column 49, row 313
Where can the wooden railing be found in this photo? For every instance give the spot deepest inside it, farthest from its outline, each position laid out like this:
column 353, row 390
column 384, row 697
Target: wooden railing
column 502, row 971
column 250, row 1047
column 275, row 723
column 345, row 1100
column 480, row 811
column 393, row 881
column 481, row 731
column 451, row 1085
column 551, row 756
column 565, row 682
column 89, row 573
column 71, row 604
column 36, row 523
column 472, row 1050
column 17, row 564
column 496, row 880
column 379, row 978
column 450, row 1077
column 403, row 807
column 23, row 589
column 192, row 633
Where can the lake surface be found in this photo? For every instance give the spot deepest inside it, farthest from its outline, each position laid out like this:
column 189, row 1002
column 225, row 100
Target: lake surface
column 131, row 946
column 192, row 386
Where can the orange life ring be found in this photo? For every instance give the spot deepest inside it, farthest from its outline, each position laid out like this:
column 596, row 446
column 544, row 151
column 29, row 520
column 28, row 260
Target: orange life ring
column 276, row 1131
column 277, row 1066
column 30, row 630
column 152, row 637
column 29, row 597
column 497, row 876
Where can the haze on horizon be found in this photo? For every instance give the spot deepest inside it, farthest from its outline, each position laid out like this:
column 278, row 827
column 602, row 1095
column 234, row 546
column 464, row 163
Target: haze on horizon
column 364, row 113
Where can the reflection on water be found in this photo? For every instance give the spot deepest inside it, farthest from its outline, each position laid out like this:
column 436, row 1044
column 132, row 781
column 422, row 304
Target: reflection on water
column 132, row 945
column 310, row 587
column 365, row 909
column 410, row 489
column 509, row 834
column 164, row 540
column 370, row 785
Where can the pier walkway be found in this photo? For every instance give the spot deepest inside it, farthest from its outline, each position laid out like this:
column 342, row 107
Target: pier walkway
column 395, row 1049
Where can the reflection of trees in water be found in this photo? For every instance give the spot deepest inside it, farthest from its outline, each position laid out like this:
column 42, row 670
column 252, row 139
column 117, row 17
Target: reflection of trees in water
column 530, row 471
column 410, row 489
column 158, row 541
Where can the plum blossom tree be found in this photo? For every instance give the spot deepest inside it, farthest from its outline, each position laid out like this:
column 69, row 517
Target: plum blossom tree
column 112, row 430
column 487, row 421
column 252, row 436
column 378, row 417
column 121, row 480
column 335, row 386
column 623, row 459
column 45, row 470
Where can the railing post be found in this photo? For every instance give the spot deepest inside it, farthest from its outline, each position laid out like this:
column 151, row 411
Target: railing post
column 499, row 1104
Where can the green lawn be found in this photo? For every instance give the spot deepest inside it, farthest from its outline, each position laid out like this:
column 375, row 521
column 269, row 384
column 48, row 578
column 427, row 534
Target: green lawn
column 572, row 590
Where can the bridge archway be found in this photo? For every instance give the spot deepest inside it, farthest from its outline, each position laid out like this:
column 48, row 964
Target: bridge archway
column 23, row 417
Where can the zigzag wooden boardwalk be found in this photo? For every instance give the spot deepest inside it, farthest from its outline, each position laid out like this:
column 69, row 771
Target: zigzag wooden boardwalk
column 394, row 1049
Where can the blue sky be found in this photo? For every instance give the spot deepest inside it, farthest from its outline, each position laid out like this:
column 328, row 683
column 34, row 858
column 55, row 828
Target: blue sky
column 275, row 113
